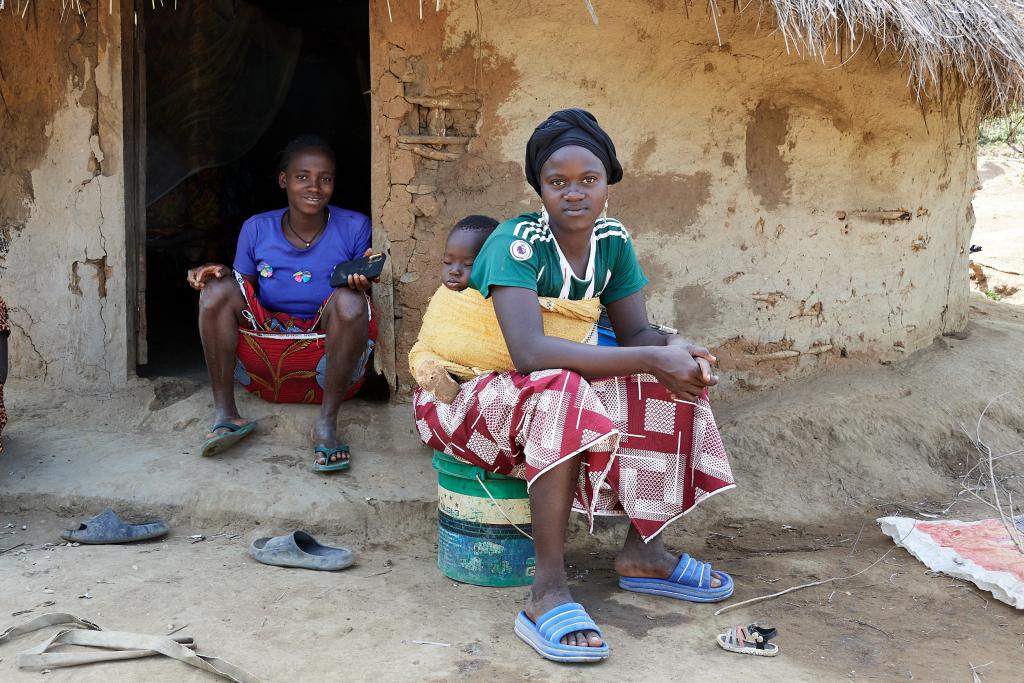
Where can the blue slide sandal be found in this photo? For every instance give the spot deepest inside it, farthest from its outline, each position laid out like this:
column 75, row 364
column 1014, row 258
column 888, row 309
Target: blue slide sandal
column 544, row 635
column 107, row 527
column 299, row 549
column 691, row 580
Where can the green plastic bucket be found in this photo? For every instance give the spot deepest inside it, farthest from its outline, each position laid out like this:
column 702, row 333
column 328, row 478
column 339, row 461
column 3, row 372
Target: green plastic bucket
column 477, row 541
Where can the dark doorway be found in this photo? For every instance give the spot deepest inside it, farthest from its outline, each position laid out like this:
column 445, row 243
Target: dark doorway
column 228, row 83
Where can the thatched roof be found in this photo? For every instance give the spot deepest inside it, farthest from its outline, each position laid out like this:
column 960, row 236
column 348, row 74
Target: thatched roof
column 978, row 42
column 973, row 43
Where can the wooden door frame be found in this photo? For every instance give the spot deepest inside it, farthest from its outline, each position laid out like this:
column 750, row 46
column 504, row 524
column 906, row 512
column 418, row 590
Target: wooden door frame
column 133, row 88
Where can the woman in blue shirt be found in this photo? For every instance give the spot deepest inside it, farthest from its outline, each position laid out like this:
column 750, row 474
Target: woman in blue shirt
column 285, row 257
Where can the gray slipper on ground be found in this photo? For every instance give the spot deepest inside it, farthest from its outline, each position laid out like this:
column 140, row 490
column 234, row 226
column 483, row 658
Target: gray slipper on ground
column 107, row 527
column 299, row 549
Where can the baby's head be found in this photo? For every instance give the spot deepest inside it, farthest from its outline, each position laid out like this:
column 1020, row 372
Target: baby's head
column 464, row 242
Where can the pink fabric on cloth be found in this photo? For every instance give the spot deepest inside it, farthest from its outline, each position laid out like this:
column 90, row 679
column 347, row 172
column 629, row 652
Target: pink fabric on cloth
column 986, row 543
column 645, row 454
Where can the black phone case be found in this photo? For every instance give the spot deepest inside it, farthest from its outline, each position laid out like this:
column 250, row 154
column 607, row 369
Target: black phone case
column 370, row 266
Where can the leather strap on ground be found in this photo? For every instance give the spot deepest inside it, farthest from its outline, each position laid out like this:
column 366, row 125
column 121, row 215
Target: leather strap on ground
column 117, row 646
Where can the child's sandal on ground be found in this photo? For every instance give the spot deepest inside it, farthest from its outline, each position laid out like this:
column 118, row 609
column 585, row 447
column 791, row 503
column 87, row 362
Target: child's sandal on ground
column 749, row 640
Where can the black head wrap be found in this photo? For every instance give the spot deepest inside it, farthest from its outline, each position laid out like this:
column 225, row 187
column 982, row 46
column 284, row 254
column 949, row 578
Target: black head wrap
column 570, row 127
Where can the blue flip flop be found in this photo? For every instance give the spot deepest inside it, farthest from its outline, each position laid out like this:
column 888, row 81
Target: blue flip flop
column 691, row 580
column 327, row 452
column 543, row 636
column 221, row 442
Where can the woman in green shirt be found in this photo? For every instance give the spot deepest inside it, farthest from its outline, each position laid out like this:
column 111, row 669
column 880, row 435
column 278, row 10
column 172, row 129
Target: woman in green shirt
column 603, row 430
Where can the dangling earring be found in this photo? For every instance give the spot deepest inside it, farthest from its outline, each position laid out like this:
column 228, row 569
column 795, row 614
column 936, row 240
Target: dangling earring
column 543, row 216
column 604, row 212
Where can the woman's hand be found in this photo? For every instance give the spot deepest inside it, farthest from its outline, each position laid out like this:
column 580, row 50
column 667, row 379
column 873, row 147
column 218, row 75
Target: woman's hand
column 361, row 283
column 198, row 277
column 684, row 373
column 699, row 353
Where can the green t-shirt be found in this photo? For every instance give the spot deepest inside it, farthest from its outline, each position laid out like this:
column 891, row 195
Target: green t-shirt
column 523, row 252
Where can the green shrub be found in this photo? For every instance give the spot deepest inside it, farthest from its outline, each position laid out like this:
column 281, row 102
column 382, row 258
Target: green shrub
column 1005, row 130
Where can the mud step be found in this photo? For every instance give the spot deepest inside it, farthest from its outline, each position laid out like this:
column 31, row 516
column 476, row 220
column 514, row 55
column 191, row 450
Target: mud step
column 260, row 482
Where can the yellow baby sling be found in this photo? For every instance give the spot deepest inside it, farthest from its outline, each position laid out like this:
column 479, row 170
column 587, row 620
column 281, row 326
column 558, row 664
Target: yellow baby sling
column 461, row 331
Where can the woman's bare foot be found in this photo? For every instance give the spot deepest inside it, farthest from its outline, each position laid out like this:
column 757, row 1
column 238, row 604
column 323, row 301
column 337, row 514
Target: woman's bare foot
column 649, row 560
column 432, row 377
column 544, row 599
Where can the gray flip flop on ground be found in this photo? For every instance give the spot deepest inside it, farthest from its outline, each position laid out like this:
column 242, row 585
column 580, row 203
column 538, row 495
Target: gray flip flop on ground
column 299, row 549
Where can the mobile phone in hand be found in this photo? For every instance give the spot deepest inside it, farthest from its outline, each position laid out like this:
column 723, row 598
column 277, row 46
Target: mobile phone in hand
column 370, row 266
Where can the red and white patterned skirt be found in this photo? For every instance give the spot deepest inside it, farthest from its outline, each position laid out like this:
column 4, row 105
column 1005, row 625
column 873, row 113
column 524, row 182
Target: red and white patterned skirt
column 645, row 454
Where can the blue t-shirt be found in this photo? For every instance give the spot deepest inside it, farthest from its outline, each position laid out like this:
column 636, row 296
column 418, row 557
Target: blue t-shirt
column 297, row 281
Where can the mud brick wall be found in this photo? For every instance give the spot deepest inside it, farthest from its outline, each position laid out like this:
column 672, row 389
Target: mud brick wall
column 62, row 234
column 788, row 213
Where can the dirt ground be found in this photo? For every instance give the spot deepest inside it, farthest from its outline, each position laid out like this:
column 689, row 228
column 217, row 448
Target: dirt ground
column 999, row 211
column 892, row 623
column 815, row 469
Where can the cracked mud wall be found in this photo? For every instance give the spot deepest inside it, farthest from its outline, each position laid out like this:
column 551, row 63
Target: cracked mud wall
column 788, row 213
column 62, row 237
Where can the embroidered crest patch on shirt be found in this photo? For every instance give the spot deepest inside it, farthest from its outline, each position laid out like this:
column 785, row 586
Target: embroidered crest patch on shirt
column 521, row 250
